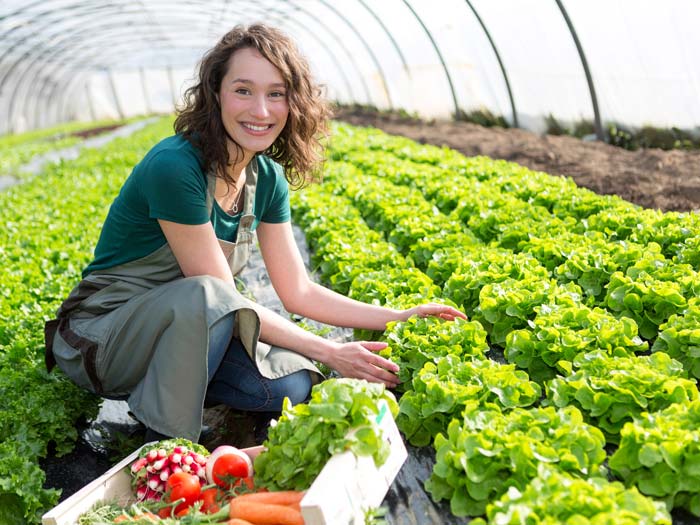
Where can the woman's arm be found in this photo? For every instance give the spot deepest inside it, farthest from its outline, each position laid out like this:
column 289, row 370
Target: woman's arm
column 302, row 296
column 197, row 251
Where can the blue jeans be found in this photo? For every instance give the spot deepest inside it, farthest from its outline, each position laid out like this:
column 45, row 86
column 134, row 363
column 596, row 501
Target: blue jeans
column 234, row 379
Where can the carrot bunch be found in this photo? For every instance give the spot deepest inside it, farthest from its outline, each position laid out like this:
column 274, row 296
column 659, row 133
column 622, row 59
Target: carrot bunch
column 267, row 508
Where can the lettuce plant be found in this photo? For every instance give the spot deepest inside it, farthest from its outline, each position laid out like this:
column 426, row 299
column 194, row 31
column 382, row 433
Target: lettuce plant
column 611, row 391
column 555, row 497
column 441, row 390
column 679, row 337
column 488, row 452
column 308, row 434
column 421, row 340
column 509, row 304
column 559, row 333
column 659, row 453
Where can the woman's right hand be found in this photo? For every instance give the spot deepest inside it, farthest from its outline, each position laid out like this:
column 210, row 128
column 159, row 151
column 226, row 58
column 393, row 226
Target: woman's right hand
column 358, row 359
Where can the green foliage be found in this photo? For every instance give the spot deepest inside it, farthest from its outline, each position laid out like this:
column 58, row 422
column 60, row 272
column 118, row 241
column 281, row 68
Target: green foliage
column 679, row 337
column 489, row 266
column 508, row 305
column 558, row 334
column 659, row 453
column 645, row 299
column 481, row 117
column 611, row 391
column 441, row 390
column 554, row 497
column 421, row 340
column 386, row 286
column 554, row 127
column 21, row 148
column 489, row 452
column 307, row 435
column 48, row 237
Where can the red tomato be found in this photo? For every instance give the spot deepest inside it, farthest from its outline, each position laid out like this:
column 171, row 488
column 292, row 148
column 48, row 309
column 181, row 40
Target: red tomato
column 228, row 468
column 212, row 499
column 247, row 481
column 182, row 485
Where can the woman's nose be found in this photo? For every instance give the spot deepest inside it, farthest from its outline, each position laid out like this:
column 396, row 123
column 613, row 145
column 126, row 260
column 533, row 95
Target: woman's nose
column 259, row 109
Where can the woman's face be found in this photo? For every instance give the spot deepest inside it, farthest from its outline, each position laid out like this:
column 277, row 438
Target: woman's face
column 253, row 98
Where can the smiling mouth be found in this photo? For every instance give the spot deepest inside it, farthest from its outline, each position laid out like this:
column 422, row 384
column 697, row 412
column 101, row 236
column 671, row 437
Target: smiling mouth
column 253, row 127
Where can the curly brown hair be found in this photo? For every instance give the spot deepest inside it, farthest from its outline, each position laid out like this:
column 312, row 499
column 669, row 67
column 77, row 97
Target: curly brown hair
column 298, row 147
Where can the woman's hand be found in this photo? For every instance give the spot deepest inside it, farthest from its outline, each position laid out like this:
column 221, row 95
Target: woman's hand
column 357, row 359
column 435, row 310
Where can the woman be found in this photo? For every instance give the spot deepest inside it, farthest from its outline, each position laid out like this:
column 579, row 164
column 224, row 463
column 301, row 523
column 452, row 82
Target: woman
column 157, row 319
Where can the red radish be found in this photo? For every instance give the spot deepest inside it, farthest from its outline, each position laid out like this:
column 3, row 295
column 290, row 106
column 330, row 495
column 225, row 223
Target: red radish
column 158, row 464
column 139, row 464
column 227, row 463
column 141, row 492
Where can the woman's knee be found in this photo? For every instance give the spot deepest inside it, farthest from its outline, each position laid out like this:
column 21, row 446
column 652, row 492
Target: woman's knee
column 201, row 291
column 295, row 386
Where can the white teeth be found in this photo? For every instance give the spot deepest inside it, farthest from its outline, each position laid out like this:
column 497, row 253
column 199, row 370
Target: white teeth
column 256, row 128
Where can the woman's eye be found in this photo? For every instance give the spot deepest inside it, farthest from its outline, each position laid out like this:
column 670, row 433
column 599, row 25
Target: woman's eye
column 243, row 91
column 276, row 94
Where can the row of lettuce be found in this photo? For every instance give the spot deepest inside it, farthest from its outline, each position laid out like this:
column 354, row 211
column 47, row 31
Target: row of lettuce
column 50, row 226
column 19, row 149
column 578, row 365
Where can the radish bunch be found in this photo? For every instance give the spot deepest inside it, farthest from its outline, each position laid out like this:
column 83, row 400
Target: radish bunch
column 156, row 464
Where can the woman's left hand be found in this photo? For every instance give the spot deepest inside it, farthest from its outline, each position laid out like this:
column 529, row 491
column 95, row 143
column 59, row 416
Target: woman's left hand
column 435, row 310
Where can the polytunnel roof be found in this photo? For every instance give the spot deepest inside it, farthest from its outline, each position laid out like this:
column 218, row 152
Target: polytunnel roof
column 626, row 61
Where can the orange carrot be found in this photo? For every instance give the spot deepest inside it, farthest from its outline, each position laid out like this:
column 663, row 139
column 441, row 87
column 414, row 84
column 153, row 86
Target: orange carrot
column 264, row 513
column 290, row 498
column 238, row 521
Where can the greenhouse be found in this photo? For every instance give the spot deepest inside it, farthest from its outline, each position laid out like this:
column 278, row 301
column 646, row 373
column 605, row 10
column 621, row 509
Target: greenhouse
column 342, row 262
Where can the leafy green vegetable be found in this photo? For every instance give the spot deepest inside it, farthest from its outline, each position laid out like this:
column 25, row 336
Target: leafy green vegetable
column 421, row 340
column 559, row 333
column 441, row 390
column 510, row 304
column 554, row 497
column 679, row 337
column 659, row 453
column 307, row 435
column 611, row 391
column 489, row 452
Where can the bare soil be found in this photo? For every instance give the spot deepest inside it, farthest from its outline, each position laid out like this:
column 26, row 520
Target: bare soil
column 652, row 178
column 86, row 133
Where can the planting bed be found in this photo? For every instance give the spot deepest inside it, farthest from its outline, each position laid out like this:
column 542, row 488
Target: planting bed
column 577, row 303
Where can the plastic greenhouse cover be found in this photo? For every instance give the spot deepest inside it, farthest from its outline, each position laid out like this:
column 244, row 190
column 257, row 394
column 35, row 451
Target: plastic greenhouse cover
column 93, row 59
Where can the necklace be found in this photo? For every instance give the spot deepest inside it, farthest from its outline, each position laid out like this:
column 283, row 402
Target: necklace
column 233, row 210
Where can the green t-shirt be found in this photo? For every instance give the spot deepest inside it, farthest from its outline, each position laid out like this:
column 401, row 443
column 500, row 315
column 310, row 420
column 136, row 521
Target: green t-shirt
column 170, row 184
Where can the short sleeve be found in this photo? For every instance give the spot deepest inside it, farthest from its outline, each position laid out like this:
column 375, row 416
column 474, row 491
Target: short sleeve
column 174, row 188
column 278, row 210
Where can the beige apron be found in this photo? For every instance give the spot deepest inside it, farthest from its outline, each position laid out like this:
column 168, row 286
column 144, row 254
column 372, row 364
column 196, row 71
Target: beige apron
column 140, row 331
